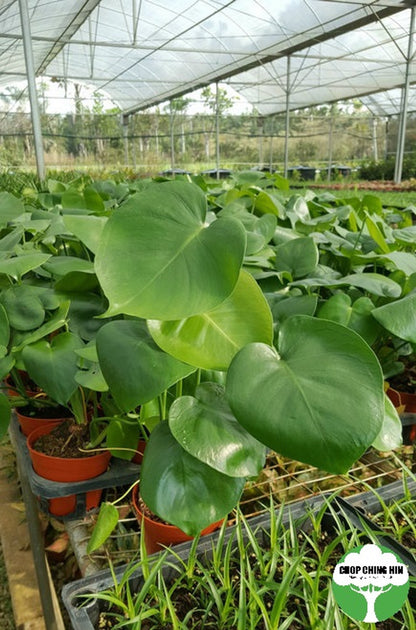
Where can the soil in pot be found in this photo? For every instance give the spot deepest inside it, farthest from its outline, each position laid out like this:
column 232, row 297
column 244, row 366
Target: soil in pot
column 30, row 418
column 56, row 455
column 67, row 440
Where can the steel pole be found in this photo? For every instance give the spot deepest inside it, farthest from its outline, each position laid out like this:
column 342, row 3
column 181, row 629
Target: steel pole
column 31, row 82
column 287, row 125
column 401, row 140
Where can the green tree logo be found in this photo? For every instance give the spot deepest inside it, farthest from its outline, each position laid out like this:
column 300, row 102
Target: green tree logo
column 370, row 583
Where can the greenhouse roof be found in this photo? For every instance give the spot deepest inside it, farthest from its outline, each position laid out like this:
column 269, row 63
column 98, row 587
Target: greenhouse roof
column 143, row 52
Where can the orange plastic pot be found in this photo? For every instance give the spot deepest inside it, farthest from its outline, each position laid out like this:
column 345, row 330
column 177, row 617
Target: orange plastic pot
column 158, row 535
column 402, row 399
column 63, row 469
column 138, row 457
column 30, row 423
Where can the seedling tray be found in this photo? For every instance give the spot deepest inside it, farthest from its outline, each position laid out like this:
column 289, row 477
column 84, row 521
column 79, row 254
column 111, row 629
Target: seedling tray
column 120, row 473
column 354, row 509
column 84, row 617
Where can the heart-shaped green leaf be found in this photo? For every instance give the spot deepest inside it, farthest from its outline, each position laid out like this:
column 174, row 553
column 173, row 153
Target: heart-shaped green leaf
column 357, row 316
column 53, row 365
column 87, row 228
column 210, row 340
column 122, row 437
column 158, row 260
column 135, row 369
column 299, row 257
column 205, row 427
column 399, row 317
column 54, row 323
column 24, row 307
column 319, row 398
column 181, row 489
column 11, row 208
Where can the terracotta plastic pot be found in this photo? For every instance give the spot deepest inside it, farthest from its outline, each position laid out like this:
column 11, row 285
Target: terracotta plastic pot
column 158, row 535
column 30, row 423
column 138, row 457
column 63, row 469
column 402, row 399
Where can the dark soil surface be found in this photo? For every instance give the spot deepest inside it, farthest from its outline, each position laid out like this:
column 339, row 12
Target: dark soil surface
column 65, row 440
column 44, row 412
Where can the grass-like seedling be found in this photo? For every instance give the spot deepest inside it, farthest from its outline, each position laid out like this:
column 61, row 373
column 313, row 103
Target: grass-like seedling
column 248, row 578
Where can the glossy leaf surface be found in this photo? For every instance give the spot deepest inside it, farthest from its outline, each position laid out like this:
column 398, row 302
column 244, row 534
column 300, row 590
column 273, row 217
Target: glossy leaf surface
column 181, row 489
column 158, row 260
column 206, row 428
column 318, row 398
column 134, row 367
column 210, row 340
column 399, row 317
column 53, row 365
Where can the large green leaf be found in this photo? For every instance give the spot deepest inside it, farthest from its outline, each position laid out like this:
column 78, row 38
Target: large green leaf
column 210, row 340
column 206, row 428
column 373, row 283
column 284, row 306
column 399, row 317
column 83, row 312
column 135, row 369
column 62, row 265
column 19, row 265
column 53, row 365
column 10, row 208
column 54, row 323
column 318, row 398
column 87, row 228
column 158, row 260
column 24, row 307
column 299, row 257
column 357, row 316
column 405, row 261
column 181, row 489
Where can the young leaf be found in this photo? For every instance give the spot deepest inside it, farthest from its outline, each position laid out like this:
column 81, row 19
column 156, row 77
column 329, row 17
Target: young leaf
column 106, row 522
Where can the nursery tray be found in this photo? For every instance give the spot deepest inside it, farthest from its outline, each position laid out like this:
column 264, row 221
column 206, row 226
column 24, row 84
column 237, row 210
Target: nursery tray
column 120, row 473
column 85, row 617
column 353, row 508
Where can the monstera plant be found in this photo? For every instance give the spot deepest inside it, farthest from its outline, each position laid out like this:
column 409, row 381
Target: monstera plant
column 194, row 346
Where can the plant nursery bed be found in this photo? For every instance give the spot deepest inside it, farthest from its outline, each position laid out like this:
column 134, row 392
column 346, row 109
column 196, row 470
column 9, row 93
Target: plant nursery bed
column 119, row 473
column 273, row 553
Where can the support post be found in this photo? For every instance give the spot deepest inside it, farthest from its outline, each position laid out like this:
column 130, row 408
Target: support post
column 404, row 104
column 217, row 130
column 172, row 139
column 31, row 82
column 287, row 124
column 330, row 146
column 375, row 147
column 125, row 123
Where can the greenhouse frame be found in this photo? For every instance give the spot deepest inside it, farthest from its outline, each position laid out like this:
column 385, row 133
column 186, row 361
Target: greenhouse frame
column 279, row 56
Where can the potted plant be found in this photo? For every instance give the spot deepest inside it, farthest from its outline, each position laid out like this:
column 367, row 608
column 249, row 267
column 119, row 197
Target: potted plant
column 315, row 393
